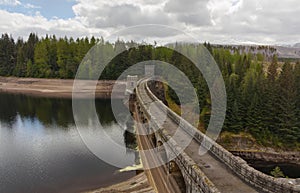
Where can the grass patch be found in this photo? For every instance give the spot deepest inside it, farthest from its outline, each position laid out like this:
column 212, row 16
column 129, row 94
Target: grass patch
column 172, row 105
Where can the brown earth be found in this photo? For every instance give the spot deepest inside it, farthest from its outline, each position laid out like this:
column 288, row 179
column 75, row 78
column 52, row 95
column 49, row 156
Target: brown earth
column 137, row 184
column 62, row 88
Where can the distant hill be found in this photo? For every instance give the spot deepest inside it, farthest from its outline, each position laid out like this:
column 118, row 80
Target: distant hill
column 268, row 51
column 297, row 45
column 288, row 52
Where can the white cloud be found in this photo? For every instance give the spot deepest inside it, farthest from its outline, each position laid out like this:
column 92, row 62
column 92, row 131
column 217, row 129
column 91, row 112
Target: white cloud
column 20, row 25
column 189, row 12
column 10, row 2
column 102, row 13
column 18, row 3
column 31, row 6
column 270, row 21
column 226, row 21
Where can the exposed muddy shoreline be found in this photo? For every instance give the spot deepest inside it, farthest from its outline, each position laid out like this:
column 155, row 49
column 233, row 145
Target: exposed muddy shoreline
column 62, row 88
column 138, row 184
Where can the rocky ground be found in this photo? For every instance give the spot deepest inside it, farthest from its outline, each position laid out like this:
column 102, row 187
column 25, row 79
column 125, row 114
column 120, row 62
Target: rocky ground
column 137, row 184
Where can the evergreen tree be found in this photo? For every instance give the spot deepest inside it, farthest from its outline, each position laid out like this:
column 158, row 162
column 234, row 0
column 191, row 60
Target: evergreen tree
column 20, row 69
column 270, row 103
column 41, row 58
column 260, row 100
column 7, row 55
column 287, row 112
column 63, row 57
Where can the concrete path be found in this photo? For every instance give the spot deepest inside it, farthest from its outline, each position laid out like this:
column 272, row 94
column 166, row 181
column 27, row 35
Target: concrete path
column 219, row 173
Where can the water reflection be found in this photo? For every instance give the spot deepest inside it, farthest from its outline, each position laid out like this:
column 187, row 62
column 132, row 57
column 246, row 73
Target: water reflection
column 289, row 170
column 60, row 110
column 129, row 135
column 41, row 150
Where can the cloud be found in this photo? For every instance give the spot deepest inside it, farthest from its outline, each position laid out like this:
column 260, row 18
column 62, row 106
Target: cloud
column 257, row 21
column 31, row 6
column 226, row 21
column 18, row 3
column 20, row 25
column 114, row 14
column 190, row 12
column 10, row 2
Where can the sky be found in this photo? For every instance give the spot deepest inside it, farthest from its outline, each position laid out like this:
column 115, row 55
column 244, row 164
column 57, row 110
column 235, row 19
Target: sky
column 273, row 22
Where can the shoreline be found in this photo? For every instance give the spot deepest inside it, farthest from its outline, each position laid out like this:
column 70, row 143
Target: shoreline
column 138, row 184
column 269, row 156
column 62, row 88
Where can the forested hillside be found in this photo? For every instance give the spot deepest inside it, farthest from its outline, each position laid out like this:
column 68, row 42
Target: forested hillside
column 263, row 95
column 263, row 98
column 48, row 57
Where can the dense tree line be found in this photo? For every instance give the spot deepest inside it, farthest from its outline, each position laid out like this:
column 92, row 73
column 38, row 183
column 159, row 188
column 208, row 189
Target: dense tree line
column 47, row 57
column 263, row 95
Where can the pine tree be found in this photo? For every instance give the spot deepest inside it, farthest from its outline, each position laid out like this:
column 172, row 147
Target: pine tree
column 30, row 46
column 251, row 93
column 7, row 55
column 20, row 69
column 41, row 58
column 52, row 56
column 62, row 57
column 287, row 112
column 271, row 99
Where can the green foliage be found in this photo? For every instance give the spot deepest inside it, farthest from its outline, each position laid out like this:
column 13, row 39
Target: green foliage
column 172, row 94
column 43, row 58
column 263, row 97
column 263, row 102
column 277, row 173
column 7, row 55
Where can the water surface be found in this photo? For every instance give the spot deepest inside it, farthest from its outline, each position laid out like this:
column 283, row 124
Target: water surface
column 289, row 170
column 41, row 150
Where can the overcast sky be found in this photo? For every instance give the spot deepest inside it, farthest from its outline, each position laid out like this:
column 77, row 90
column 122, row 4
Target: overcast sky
column 217, row 21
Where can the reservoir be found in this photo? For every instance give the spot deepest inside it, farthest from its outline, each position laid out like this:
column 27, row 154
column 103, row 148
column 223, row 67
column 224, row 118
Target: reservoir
column 42, row 151
column 289, row 170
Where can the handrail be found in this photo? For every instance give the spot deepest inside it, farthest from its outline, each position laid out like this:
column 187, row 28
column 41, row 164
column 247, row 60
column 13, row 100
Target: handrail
column 186, row 163
column 238, row 165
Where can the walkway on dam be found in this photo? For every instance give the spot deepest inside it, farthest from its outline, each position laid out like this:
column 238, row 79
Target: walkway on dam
column 158, row 177
column 218, row 172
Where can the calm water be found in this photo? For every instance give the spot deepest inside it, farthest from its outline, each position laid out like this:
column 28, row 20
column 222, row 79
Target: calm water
column 41, row 150
column 290, row 170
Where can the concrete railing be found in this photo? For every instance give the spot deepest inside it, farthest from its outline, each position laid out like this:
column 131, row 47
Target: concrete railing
column 188, row 167
column 254, row 177
column 197, row 179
